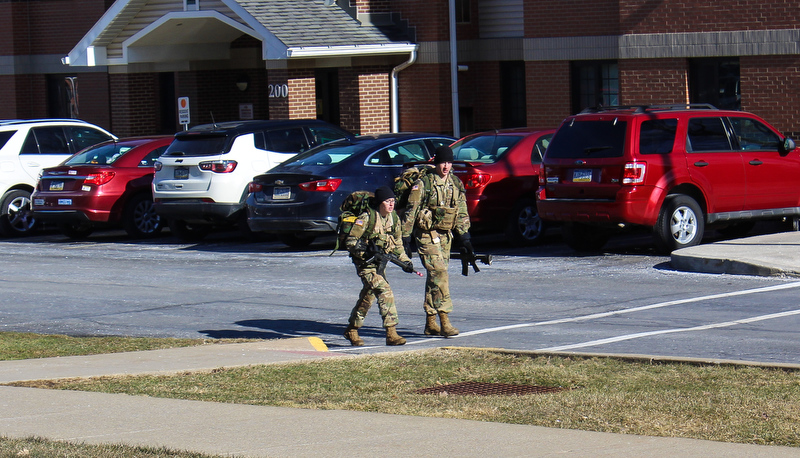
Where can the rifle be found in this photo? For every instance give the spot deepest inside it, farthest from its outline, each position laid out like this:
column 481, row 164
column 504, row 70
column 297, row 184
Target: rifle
column 377, row 256
column 470, row 260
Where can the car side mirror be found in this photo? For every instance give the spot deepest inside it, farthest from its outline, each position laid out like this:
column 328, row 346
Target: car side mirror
column 787, row 145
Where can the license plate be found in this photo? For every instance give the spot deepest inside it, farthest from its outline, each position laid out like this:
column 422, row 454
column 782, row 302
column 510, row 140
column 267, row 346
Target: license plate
column 281, row 193
column 582, row 176
column 64, row 201
column 181, row 173
column 56, row 185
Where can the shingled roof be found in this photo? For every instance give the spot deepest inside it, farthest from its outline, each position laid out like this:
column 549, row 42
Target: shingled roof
column 305, row 23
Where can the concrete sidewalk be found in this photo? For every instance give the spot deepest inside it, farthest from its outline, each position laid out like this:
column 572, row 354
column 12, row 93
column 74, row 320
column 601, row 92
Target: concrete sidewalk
column 763, row 255
column 254, row 431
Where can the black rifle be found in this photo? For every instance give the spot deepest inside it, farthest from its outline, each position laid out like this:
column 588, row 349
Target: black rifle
column 376, row 255
column 470, row 259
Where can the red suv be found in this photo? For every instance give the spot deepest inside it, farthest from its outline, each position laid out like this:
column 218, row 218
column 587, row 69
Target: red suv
column 500, row 171
column 673, row 169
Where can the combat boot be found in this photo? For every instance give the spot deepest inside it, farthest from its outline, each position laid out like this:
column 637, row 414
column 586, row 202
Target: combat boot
column 351, row 334
column 447, row 329
column 431, row 326
column 392, row 338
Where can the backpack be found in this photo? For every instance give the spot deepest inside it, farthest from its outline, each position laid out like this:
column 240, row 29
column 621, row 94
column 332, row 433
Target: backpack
column 404, row 182
column 356, row 203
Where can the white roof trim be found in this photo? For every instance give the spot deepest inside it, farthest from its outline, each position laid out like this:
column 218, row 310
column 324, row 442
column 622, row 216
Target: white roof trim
column 353, row 50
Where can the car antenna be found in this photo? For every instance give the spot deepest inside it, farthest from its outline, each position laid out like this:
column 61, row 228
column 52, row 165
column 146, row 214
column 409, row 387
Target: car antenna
column 212, row 119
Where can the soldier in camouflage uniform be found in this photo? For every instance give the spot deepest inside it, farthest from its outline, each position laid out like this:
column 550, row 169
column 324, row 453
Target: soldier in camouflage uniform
column 436, row 211
column 386, row 236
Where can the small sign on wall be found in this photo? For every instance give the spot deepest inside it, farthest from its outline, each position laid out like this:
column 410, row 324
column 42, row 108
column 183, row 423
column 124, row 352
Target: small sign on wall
column 245, row 111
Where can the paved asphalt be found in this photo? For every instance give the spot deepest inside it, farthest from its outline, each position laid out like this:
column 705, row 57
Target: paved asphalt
column 254, row 431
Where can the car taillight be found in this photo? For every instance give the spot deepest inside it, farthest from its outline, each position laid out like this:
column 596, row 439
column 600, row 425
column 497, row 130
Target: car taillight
column 542, row 179
column 633, row 173
column 255, row 187
column 218, row 166
column 477, row 180
column 157, row 165
column 99, row 178
column 321, row 185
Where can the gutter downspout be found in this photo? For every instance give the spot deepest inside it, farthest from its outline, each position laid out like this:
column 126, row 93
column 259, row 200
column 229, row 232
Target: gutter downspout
column 395, row 105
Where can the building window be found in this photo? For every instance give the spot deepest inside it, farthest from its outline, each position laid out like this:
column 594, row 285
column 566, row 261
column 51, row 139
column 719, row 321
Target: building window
column 715, row 81
column 462, row 11
column 512, row 94
column 191, row 5
column 594, row 84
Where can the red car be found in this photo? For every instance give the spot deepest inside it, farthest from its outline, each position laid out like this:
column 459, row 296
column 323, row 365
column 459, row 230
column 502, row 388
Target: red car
column 106, row 185
column 500, row 171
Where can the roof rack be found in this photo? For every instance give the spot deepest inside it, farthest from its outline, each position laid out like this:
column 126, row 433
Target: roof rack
column 645, row 108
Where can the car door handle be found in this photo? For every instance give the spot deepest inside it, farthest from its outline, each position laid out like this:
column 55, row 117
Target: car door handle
column 755, row 162
column 33, row 164
column 700, row 164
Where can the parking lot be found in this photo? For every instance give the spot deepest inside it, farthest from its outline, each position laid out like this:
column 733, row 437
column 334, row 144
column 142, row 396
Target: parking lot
column 626, row 300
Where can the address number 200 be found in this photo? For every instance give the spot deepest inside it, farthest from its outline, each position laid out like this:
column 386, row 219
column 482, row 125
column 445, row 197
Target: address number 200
column 278, row 90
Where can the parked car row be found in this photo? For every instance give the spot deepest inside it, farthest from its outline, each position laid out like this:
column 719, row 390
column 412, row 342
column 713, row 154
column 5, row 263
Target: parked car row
column 672, row 169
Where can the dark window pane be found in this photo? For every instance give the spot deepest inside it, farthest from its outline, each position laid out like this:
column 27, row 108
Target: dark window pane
column 657, row 136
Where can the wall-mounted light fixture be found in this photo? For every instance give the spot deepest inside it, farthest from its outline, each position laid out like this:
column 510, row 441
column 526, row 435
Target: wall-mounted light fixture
column 242, row 82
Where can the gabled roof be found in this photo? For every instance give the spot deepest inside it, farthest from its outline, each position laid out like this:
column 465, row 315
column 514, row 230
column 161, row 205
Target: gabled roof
column 151, row 31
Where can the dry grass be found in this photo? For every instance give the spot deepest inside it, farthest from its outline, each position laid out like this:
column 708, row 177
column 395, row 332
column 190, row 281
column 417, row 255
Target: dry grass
column 721, row 403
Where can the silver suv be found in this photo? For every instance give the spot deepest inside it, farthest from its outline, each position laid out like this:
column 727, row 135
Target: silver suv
column 28, row 146
column 201, row 179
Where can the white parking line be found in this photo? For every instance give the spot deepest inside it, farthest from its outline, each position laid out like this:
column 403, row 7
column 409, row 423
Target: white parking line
column 704, row 327
column 633, row 309
column 621, row 312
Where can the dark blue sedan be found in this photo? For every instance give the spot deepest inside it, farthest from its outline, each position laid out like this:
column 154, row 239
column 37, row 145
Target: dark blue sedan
column 299, row 200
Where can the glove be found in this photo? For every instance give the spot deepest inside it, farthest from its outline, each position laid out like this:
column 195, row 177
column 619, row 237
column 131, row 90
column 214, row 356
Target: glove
column 466, row 243
column 407, row 245
column 408, row 267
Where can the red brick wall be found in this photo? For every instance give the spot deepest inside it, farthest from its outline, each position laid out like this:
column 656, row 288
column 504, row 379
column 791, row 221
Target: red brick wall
column 548, row 93
column 425, row 99
column 93, row 101
column 563, row 18
column 349, row 101
column 46, row 26
column 653, row 81
column 430, row 18
column 278, row 106
column 658, row 16
column 133, row 104
column 770, row 88
column 302, row 94
column 374, row 100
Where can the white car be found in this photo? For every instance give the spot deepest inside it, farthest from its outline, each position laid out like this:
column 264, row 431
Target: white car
column 28, row 146
column 202, row 178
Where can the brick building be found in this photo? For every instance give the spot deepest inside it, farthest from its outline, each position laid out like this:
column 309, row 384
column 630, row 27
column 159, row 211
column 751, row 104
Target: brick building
column 380, row 65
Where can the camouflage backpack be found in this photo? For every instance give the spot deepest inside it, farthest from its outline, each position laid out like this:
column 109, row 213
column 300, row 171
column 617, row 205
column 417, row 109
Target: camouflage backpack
column 356, row 203
column 404, row 182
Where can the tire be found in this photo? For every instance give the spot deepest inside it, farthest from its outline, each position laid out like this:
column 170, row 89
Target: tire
column 525, row 227
column 188, row 232
column 680, row 224
column 16, row 218
column 297, row 240
column 584, row 238
column 76, row 230
column 139, row 218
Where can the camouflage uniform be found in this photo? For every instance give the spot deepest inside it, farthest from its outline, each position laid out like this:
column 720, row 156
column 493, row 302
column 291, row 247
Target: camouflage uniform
column 386, row 233
column 430, row 217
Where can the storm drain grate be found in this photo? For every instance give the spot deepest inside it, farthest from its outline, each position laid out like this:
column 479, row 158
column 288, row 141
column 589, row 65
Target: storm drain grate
column 488, row 389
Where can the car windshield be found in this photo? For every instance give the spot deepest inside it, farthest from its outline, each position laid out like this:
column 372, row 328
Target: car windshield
column 582, row 139
column 328, row 154
column 484, row 148
column 197, row 145
column 101, row 155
